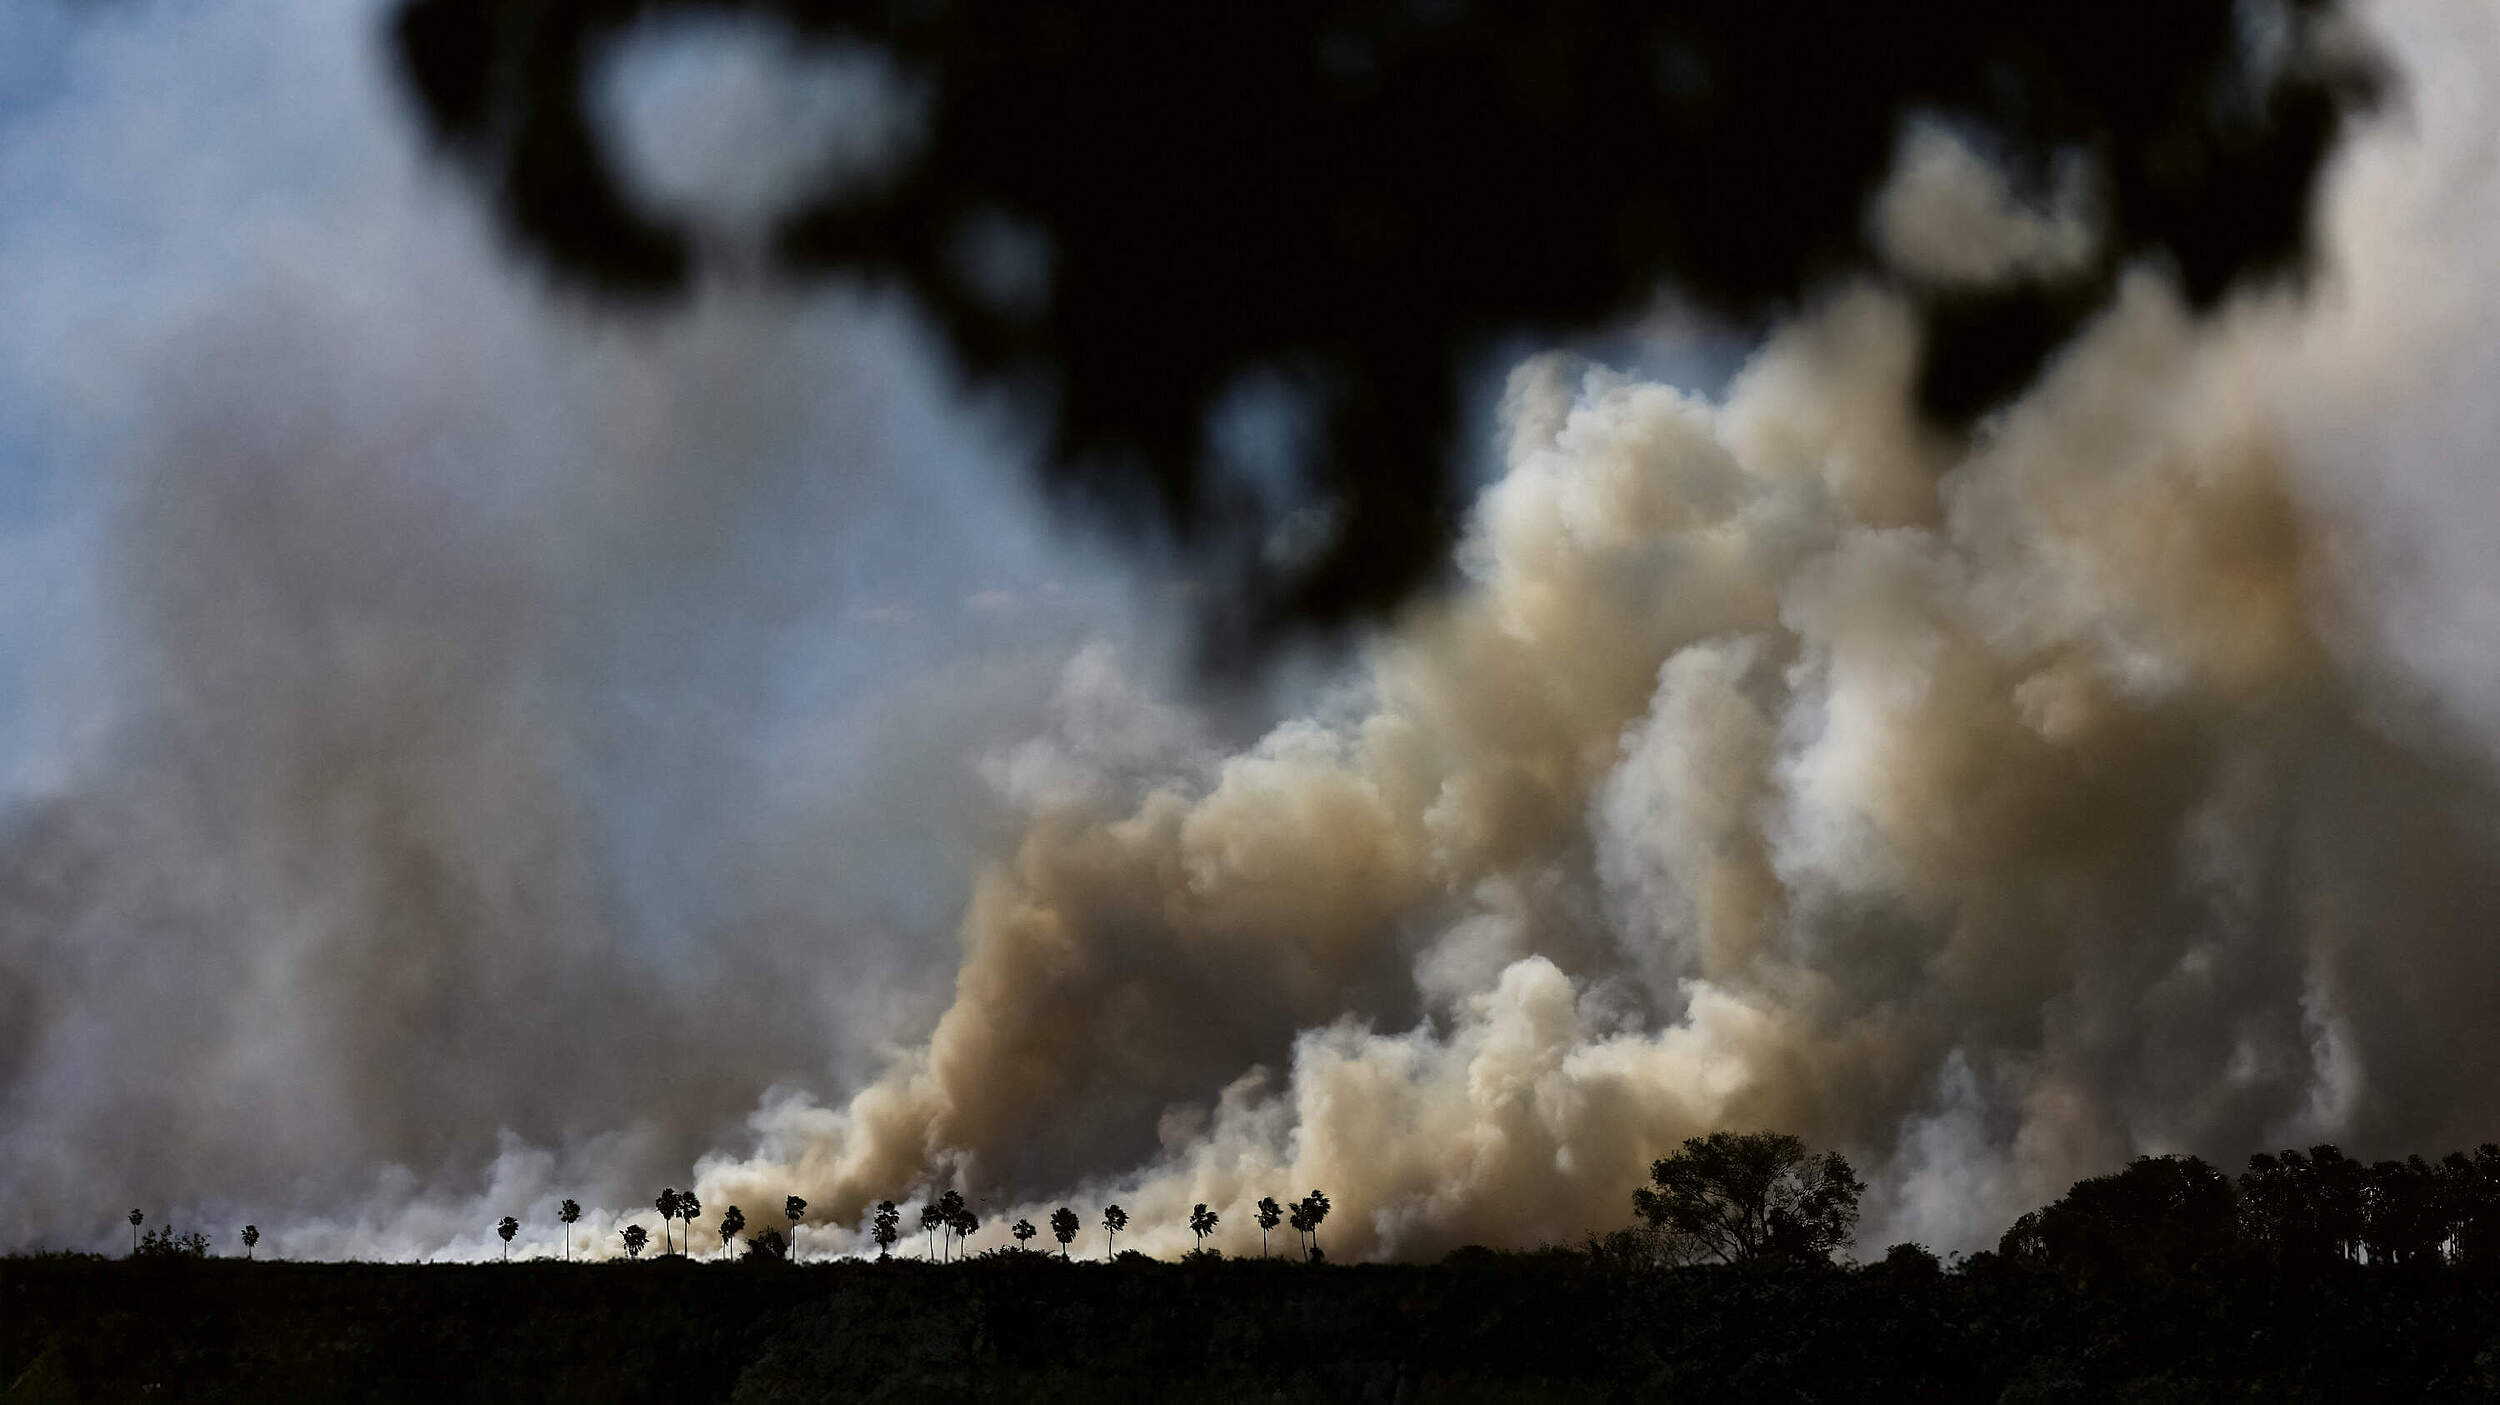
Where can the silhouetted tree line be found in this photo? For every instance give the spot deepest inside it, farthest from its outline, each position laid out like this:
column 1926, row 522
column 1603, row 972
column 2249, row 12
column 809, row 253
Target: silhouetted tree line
column 946, row 1221
column 1763, row 1197
column 2298, row 1212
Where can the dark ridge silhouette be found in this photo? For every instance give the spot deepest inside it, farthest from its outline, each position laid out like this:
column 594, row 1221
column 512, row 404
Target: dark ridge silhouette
column 1352, row 199
column 2311, row 1275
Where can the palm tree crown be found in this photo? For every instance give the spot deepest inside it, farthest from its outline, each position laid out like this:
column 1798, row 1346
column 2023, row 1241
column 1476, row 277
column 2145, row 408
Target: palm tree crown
column 1269, row 1213
column 667, row 1206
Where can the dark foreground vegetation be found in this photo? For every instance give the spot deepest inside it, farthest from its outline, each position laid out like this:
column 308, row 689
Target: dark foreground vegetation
column 1553, row 1325
column 2311, row 1276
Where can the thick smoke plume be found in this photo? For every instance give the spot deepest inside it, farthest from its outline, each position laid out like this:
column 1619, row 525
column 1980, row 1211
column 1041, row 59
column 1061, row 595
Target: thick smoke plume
column 1991, row 809
column 442, row 780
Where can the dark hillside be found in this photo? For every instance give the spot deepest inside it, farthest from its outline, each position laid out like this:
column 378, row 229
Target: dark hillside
column 1482, row 1326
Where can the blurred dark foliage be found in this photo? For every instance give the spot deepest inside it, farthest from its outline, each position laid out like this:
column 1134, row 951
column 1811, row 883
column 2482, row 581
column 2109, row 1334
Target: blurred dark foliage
column 1352, row 198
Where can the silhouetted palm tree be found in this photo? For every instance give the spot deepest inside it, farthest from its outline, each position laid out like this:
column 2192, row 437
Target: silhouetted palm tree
column 930, row 1218
column 568, row 1212
column 1063, row 1227
column 1314, row 1209
column 667, row 1206
column 251, row 1236
column 1023, row 1231
column 1202, row 1222
column 1300, row 1219
column 135, row 1219
column 950, row 1211
column 963, row 1223
column 507, row 1227
column 794, row 1210
column 733, row 1222
column 687, row 1208
column 1114, row 1219
column 1269, row 1213
column 635, row 1237
column 888, row 1228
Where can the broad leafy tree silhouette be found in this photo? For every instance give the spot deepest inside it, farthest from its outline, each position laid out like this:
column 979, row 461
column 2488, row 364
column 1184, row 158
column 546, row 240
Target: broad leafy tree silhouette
column 1063, row 1227
column 635, row 1237
column 1269, row 1213
column 1114, row 1219
column 1023, row 1232
column 932, row 1219
column 2308, row 1209
column 1353, row 200
column 1741, row 1196
column 505, row 1228
column 568, row 1214
column 950, row 1208
column 2163, row 1217
column 886, row 1228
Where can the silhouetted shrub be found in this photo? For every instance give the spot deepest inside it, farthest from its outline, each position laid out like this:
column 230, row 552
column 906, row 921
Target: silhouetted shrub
column 162, row 1243
column 1911, row 1261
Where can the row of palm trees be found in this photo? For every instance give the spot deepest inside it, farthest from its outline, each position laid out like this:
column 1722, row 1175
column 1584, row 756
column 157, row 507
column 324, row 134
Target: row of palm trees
column 946, row 1222
column 949, row 1216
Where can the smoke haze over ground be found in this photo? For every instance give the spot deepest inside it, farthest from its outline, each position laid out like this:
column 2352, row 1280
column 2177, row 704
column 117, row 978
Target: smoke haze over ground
column 466, row 748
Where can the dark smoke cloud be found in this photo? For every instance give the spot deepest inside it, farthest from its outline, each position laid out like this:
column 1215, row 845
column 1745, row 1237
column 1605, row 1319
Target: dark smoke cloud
column 1352, row 199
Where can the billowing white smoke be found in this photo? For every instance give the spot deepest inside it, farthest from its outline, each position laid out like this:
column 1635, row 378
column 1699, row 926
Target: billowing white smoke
column 426, row 804
column 1992, row 811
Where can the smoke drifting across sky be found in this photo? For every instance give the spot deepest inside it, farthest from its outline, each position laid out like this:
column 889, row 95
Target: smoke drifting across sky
column 465, row 750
